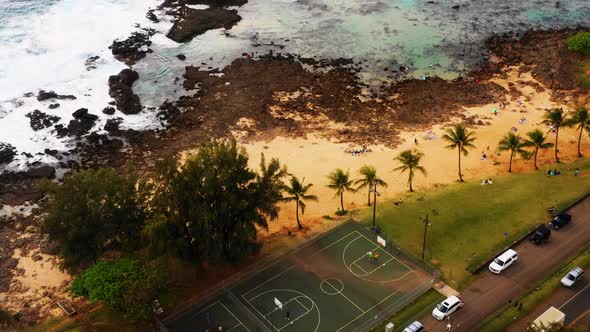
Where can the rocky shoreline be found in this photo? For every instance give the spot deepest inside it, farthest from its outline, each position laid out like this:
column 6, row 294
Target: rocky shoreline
column 260, row 97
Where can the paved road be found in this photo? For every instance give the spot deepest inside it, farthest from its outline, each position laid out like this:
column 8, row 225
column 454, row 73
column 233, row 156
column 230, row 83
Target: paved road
column 574, row 302
column 489, row 292
column 577, row 308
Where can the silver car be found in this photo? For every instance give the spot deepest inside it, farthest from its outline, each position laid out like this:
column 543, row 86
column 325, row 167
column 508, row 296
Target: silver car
column 416, row 326
column 574, row 275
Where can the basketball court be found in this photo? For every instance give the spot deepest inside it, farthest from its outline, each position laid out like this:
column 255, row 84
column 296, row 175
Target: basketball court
column 346, row 280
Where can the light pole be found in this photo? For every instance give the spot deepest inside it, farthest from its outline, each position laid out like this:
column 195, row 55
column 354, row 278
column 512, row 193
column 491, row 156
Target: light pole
column 426, row 224
column 375, row 193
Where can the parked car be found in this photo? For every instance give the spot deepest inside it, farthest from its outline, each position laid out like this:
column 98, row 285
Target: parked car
column 541, row 234
column 416, row 326
column 560, row 220
column 447, row 307
column 503, row 261
column 574, row 275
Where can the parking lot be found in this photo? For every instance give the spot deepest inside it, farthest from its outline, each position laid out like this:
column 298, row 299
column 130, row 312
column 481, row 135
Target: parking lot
column 489, row 291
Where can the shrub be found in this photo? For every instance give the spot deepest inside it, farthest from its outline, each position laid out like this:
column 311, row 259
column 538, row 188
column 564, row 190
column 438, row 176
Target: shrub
column 580, row 42
column 125, row 285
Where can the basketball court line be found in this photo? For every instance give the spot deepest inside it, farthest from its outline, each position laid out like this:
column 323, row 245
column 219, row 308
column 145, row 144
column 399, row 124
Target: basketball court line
column 333, row 243
column 364, row 312
column 291, row 322
column 231, row 313
column 390, row 255
column 341, row 292
column 278, row 275
column 226, row 309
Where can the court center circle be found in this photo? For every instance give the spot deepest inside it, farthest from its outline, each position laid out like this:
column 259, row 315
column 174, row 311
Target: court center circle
column 332, row 286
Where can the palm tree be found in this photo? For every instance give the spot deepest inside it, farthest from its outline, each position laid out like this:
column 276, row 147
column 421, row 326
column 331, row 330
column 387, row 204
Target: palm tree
column 340, row 182
column 368, row 180
column 410, row 162
column 556, row 118
column 461, row 139
column 581, row 119
column 297, row 192
column 512, row 143
column 537, row 141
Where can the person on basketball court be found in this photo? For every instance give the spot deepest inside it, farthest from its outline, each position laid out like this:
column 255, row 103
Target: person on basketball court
column 371, row 256
column 375, row 256
column 288, row 315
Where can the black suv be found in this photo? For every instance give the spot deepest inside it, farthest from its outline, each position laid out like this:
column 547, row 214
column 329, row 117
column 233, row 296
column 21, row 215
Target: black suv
column 560, row 220
column 540, row 235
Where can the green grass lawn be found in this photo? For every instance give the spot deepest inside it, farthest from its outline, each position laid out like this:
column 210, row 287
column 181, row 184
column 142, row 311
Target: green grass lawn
column 473, row 222
column 509, row 314
column 582, row 73
column 414, row 311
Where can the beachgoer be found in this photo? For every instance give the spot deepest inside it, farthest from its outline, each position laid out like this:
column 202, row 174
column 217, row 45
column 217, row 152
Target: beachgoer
column 577, row 172
column 483, row 156
column 416, row 141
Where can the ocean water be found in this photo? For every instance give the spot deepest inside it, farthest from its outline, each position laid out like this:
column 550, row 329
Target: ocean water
column 45, row 43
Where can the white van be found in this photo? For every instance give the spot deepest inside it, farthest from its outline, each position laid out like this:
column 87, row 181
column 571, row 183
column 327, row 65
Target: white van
column 503, row 261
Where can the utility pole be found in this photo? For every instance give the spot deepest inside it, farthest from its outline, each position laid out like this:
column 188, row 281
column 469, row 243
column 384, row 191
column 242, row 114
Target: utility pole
column 426, row 224
column 375, row 193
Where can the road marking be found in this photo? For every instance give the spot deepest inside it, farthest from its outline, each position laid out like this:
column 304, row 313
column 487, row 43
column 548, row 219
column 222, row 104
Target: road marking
column 573, row 297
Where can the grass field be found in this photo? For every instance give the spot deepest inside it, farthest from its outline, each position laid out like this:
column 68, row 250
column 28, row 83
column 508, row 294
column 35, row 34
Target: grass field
column 471, row 222
column 509, row 314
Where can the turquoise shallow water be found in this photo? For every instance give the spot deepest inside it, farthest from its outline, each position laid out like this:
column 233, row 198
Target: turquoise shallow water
column 429, row 38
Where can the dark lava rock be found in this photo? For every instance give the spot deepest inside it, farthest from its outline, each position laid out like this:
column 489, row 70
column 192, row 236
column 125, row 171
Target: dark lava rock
column 60, row 130
column 218, row 3
column 108, row 110
column 46, row 172
column 40, row 120
column 120, row 88
column 7, row 153
column 96, row 139
column 192, row 22
column 45, row 95
column 134, row 47
column 151, row 16
column 181, row 57
column 54, row 106
column 112, row 125
column 80, row 113
column 51, row 152
column 82, row 123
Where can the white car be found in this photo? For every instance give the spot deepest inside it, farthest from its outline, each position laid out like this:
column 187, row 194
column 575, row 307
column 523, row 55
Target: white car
column 574, row 275
column 447, row 307
column 503, row 261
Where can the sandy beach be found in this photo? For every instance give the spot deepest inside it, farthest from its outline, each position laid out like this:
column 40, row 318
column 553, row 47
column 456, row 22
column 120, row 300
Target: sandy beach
column 314, row 157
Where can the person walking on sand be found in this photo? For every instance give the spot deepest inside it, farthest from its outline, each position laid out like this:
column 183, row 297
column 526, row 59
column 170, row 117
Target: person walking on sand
column 416, row 141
